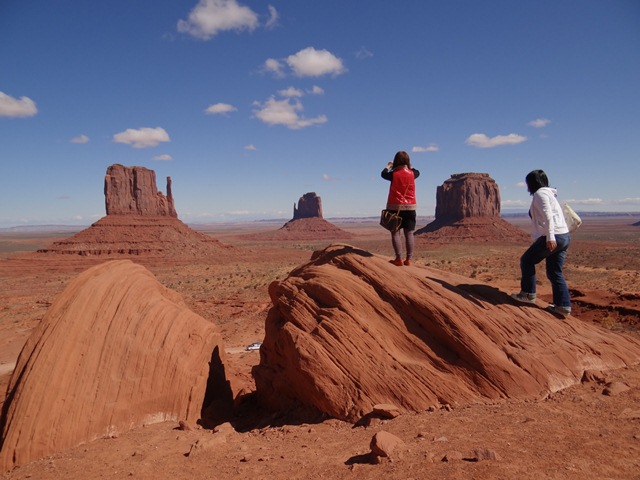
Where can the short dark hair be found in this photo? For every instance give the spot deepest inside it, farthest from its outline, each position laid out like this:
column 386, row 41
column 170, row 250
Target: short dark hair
column 401, row 158
column 536, row 179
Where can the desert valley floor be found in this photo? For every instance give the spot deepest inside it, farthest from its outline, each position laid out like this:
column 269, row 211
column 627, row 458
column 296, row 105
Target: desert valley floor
column 576, row 433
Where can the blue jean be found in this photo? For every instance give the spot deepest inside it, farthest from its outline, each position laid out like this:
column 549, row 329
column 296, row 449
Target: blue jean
column 537, row 252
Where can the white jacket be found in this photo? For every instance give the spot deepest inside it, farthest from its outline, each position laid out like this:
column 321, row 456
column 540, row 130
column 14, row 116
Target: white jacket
column 546, row 215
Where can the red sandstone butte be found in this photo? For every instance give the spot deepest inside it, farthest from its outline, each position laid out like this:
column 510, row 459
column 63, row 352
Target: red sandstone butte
column 114, row 351
column 468, row 209
column 348, row 330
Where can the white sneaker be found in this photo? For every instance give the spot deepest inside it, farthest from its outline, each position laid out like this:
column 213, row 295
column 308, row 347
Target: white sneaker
column 563, row 311
column 524, row 297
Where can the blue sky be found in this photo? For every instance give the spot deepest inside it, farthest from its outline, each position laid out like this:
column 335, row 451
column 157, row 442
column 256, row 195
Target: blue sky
column 248, row 105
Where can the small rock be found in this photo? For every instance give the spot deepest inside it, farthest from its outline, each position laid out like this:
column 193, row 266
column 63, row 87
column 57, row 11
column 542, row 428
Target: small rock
column 595, row 376
column 182, row 425
column 480, row 454
column 383, row 444
column 452, row 456
column 386, row 410
column 615, row 388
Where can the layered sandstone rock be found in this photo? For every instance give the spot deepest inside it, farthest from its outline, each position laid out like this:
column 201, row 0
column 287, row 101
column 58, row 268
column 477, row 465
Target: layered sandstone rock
column 309, row 206
column 468, row 208
column 115, row 350
column 348, row 330
column 140, row 220
column 133, row 191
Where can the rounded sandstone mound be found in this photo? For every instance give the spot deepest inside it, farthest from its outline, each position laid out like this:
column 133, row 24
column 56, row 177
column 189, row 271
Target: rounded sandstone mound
column 114, row 351
column 348, row 330
column 473, row 229
column 314, row 228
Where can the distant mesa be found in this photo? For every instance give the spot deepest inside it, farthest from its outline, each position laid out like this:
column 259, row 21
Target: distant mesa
column 309, row 206
column 116, row 350
column 637, row 224
column 133, row 191
column 468, row 209
column 348, row 331
column 140, row 220
column 307, row 224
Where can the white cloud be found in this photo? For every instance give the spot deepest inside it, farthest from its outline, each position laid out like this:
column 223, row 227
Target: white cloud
column 316, row 90
column 142, row 138
column 211, row 17
column 220, row 108
column 328, row 178
column 431, row 148
column 291, row 92
column 539, row 122
column 274, row 66
column 272, row 21
column 480, row 140
column 285, row 112
column 251, row 147
column 521, row 185
column 586, row 201
column 162, row 158
column 363, row 53
column 80, row 139
column 310, row 62
column 13, row 107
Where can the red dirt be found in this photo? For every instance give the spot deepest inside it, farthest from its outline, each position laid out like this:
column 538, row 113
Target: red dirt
column 576, row 433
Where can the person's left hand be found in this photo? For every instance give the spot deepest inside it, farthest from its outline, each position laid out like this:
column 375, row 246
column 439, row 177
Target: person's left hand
column 551, row 245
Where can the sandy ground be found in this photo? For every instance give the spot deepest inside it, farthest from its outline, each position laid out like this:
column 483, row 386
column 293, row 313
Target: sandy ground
column 577, row 433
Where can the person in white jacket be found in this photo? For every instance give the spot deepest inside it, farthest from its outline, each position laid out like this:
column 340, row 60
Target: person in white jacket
column 551, row 241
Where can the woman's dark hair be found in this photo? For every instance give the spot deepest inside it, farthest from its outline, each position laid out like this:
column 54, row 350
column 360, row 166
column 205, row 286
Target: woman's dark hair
column 536, row 179
column 401, row 158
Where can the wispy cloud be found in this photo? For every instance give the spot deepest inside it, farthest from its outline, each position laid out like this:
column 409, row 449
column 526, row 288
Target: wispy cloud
column 539, row 122
column 16, row 107
column 291, row 92
column 308, row 62
column 272, row 21
column 432, row 147
column 251, row 147
column 80, row 139
column 316, row 90
column 328, row 178
column 210, row 17
column 220, row 109
column 480, row 140
column 285, row 112
column 163, row 158
column 363, row 53
column 521, row 185
column 143, row 137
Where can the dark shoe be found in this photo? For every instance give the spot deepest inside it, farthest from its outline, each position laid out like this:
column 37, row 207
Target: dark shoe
column 407, row 262
column 524, row 297
column 397, row 262
column 558, row 310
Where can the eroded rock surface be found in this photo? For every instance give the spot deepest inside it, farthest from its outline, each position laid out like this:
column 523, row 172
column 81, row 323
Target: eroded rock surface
column 468, row 209
column 114, row 351
column 309, row 206
column 133, row 191
column 348, row 330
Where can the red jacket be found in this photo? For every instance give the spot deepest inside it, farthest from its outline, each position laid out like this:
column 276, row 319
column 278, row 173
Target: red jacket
column 402, row 192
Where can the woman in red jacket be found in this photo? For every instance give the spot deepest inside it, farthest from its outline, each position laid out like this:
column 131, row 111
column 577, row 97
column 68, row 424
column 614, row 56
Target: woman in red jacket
column 402, row 199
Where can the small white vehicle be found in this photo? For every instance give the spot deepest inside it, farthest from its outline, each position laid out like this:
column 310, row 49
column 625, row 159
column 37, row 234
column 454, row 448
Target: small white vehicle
column 253, row 346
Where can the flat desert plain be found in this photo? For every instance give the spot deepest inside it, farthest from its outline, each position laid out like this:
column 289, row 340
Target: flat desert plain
column 577, row 433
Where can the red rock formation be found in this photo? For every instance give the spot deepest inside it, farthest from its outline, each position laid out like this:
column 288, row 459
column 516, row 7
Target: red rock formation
column 348, row 330
column 133, row 191
column 308, row 229
column 140, row 221
column 118, row 235
column 309, row 206
column 468, row 208
column 116, row 350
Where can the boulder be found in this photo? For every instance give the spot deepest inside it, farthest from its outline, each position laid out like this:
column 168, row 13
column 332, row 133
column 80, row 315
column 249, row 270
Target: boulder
column 348, row 330
column 116, row 350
